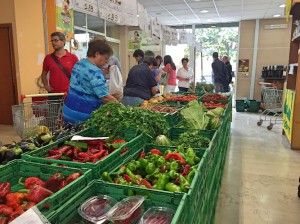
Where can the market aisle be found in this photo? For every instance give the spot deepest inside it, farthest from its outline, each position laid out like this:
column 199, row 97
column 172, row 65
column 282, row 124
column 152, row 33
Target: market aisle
column 261, row 174
column 8, row 135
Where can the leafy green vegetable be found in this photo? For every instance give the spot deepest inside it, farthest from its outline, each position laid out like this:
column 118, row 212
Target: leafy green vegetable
column 193, row 139
column 113, row 119
column 163, row 140
column 194, row 115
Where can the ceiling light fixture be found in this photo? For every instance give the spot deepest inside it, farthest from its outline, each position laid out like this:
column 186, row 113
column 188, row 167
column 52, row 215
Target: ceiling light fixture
column 137, row 15
column 282, row 6
column 213, row 26
column 204, row 11
column 197, row 0
column 276, row 16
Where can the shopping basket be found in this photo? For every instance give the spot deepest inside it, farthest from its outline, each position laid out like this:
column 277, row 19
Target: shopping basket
column 39, row 112
column 272, row 101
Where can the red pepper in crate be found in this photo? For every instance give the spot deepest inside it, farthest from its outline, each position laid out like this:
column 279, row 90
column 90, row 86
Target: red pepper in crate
column 142, row 154
column 62, row 184
column 76, row 150
column 5, row 210
column 56, row 156
column 64, row 149
column 127, row 178
column 38, row 193
column 21, row 209
column 100, row 154
column 3, row 220
column 31, row 181
column 83, row 157
column 72, row 177
column 5, row 189
column 155, row 151
column 53, row 182
column 14, row 200
column 53, row 152
column 146, row 184
column 176, row 156
column 185, row 170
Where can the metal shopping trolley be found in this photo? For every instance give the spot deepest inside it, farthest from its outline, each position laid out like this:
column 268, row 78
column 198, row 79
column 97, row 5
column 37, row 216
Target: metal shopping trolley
column 272, row 101
column 41, row 112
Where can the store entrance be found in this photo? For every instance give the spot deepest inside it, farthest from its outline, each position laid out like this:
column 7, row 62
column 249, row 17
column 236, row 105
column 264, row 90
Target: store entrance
column 8, row 87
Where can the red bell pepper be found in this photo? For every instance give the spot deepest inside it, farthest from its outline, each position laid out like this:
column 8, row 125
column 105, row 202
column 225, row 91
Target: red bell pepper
column 3, row 220
column 72, row 177
column 176, row 156
column 5, row 210
column 84, row 157
column 5, row 189
column 76, row 150
column 62, row 184
column 21, row 209
column 142, row 154
column 185, row 170
column 14, row 200
column 31, row 181
column 100, row 154
column 38, row 193
column 127, row 178
column 155, row 151
column 53, row 182
column 146, row 183
column 56, row 156
column 64, row 149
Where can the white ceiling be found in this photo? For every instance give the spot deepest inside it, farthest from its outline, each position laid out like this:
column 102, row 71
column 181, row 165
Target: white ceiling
column 184, row 12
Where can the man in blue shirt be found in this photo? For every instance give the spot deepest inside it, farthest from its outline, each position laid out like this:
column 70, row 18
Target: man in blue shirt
column 140, row 84
column 139, row 56
column 88, row 90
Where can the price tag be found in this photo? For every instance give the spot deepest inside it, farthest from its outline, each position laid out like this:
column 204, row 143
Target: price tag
column 87, row 6
column 113, row 17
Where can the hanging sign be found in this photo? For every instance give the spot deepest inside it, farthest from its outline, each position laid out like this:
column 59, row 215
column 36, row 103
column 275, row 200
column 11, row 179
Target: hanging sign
column 288, row 113
column 142, row 40
column 87, row 6
column 174, row 37
column 143, row 17
column 166, row 35
column 130, row 13
column 155, row 30
column 111, row 10
column 65, row 17
column 183, row 37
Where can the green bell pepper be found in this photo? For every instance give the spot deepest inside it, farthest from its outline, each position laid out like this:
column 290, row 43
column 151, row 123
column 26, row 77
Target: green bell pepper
column 150, row 168
column 174, row 165
column 184, row 184
column 173, row 174
column 172, row 187
column 190, row 176
column 163, row 179
column 143, row 162
column 106, row 177
column 132, row 166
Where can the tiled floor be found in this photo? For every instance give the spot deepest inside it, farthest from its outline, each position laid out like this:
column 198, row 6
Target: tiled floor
column 260, row 179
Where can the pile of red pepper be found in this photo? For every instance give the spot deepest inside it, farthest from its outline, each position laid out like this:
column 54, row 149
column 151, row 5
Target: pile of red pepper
column 182, row 98
column 170, row 171
column 13, row 204
column 89, row 151
column 212, row 105
column 214, row 97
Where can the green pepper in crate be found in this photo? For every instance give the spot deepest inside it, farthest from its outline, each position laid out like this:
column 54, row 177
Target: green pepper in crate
column 82, row 145
column 107, row 177
column 153, row 175
column 120, row 172
column 184, row 184
column 167, row 151
column 163, row 179
column 173, row 174
column 143, row 162
column 174, row 165
column 150, row 168
column 172, row 187
column 160, row 161
column 133, row 165
column 190, row 176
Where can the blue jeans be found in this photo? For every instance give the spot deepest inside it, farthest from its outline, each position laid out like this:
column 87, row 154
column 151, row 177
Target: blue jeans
column 219, row 88
column 131, row 100
column 226, row 88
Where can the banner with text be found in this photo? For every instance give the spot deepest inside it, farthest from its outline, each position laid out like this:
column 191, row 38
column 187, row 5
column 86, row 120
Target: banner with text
column 288, row 113
column 111, row 10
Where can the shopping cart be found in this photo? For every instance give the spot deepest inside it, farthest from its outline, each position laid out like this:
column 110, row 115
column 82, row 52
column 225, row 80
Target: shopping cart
column 272, row 101
column 42, row 112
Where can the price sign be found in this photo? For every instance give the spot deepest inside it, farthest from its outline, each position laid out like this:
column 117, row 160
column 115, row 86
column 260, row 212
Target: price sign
column 112, row 17
column 87, row 6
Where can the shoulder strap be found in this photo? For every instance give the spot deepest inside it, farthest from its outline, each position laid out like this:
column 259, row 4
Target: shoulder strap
column 60, row 66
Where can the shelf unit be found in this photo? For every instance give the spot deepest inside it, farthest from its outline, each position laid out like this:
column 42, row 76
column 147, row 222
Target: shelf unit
column 291, row 110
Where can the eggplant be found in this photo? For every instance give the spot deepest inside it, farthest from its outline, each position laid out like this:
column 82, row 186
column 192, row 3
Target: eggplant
column 14, row 153
column 26, row 146
column 44, row 138
column 67, row 126
column 60, row 134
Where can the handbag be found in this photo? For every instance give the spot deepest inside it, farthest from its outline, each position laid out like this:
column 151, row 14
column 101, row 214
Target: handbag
column 164, row 78
column 60, row 66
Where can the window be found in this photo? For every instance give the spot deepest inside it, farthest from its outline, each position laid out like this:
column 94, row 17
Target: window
column 112, row 30
column 96, row 24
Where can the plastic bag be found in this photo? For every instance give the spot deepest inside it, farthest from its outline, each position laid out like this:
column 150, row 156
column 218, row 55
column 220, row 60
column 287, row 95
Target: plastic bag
column 115, row 82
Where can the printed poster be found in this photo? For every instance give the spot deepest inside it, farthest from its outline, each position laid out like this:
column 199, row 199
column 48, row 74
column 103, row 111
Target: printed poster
column 288, row 113
column 166, row 35
column 111, row 10
column 142, row 40
column 155, row 30
column 174, row 37
column 243, row 67
column 87, row 6
column 65, row 17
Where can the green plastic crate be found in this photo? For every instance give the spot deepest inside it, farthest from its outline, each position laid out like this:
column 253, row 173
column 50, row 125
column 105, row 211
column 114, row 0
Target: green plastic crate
column 174, row 133
column 68, row 213
column 107, row 164
column 240, row 105
column 16, row 169
column 253, row 106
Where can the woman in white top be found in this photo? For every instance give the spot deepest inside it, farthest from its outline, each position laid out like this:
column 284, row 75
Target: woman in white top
column 184, row 75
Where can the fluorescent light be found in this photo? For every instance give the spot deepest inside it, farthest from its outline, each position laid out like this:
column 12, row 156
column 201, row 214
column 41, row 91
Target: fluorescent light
column 137, row 15
column 213, row 26
column 197, row 0
column 276, row 16
column 204, row 11
column 282, row 6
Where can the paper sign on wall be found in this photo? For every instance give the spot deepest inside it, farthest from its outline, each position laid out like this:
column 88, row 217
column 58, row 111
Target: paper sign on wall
column 111, row 10
column 65, row 17
column 243, row 67
column 130, row 13
column 87, row 6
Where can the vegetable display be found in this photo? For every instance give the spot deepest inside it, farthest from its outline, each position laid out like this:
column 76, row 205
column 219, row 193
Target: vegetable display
column 181, row 98
column 113, row 119
column 193, row 139
column 161, row 108
column 214, row 97
column 14, row 204
column 90, row 151
column 169, row 170
column 212, row 105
